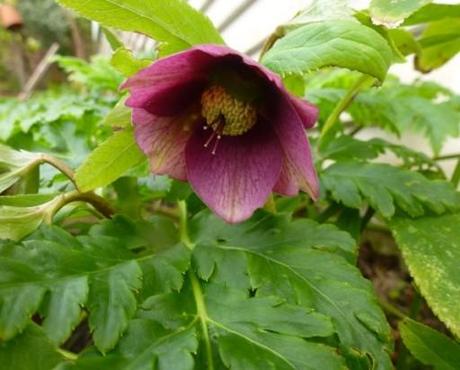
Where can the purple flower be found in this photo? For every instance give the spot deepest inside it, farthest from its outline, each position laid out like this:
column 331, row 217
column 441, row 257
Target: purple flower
column 226, row 124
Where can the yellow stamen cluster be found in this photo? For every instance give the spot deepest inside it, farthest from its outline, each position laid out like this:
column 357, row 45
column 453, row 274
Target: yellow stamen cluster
column 217, row 105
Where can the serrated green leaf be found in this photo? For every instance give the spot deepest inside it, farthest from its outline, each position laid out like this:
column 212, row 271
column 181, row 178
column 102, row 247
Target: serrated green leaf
column 109, row 161
column 173, row 21
column 346, row 148
column 386, row 187
column 63, row 274
column 391, row 13
column 112, row 301
column 125, row 62
column 147, row 345
column 431, row 250
column 430, row 346
column 31, row 350
column 330, row 43
column 305, row 274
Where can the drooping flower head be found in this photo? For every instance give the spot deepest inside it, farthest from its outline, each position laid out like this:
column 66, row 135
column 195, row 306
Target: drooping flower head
column 226, row 124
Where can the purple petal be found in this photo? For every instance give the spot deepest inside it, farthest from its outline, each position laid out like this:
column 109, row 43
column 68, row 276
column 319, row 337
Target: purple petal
column 169, row 83
column 239, row 178
column 163, row 140
column 307, row 112
column 298, row 171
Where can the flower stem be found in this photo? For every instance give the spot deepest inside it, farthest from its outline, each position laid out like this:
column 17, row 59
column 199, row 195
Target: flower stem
column 343, row 104
column 99, row 203
column 59, row 165
column 196, row 286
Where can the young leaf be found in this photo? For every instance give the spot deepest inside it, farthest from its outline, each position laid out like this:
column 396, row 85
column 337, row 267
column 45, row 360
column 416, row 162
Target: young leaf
column 430, row 346
column 439, row 42
column 313, row 276
column 386, row 187
column 109, row 161
column 392, row 14
column 31, row 350
column 433, row 12
column 171, row 21
column 125, row 62
column 120, row 116
column 14, row 164
column 330, row 43
column 96, row 271
column 431, row 250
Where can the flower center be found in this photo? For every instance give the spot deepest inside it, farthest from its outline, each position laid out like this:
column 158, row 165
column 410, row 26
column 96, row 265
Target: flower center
column 225, row 114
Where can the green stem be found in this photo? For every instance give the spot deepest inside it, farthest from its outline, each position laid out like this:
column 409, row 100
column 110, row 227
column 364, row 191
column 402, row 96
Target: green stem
column 196, row 287
column 96, row 201
column 183, row 229
column 456, row 175
column 68, row 355
column 59, row 165
column 203, row 315
column 446, row 157
column 343, row 104
column 389, row 308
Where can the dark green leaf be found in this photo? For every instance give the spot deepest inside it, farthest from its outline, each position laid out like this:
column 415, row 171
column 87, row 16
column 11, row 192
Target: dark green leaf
column 31, row 350
column 293, row 260
column 98, row 271
column 430, row 346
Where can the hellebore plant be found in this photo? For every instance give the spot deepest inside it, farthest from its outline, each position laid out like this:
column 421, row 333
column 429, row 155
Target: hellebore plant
column 226, row 124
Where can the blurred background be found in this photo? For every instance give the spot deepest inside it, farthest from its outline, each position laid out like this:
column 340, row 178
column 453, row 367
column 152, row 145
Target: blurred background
column 33, row 32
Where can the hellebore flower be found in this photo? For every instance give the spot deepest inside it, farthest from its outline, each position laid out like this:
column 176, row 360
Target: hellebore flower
column 226, row 124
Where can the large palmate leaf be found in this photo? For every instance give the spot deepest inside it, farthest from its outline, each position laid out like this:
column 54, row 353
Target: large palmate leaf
column 297, row 261
column 330, row 43
column 97, row 271
column 267, row 294
column 109, row 161
column 386, row 187
column 31, row 350
column 393, row 13
column 171, row 21
column 431, row 250
column 430, row 346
